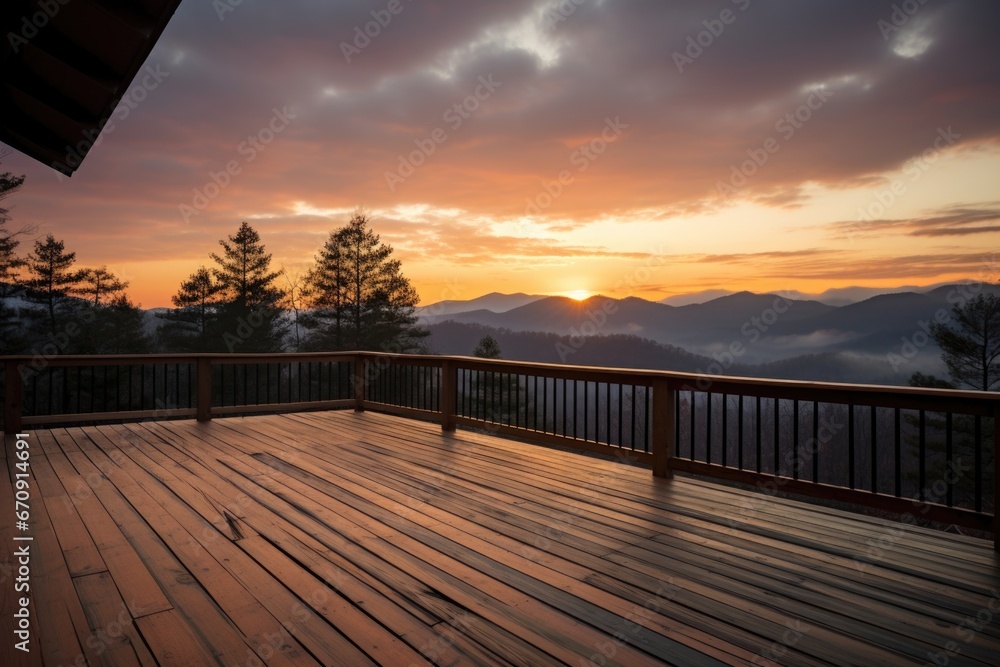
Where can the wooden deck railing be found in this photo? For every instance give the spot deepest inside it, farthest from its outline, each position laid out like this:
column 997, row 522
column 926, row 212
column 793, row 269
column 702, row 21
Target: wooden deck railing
column 927, row 453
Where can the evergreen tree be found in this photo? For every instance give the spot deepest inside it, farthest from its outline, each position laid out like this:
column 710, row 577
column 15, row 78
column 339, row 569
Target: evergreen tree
column 359, row 296
column 250, row 314
column 935, row 442
column 118, row 327
column 9, row 184
column 496, row 395
column 488, row 348
column 9, row 261
column 970, row 343
column 100, row 284
column 192, row 325
column 12, row 338
column 326, row 292
column 51, row 281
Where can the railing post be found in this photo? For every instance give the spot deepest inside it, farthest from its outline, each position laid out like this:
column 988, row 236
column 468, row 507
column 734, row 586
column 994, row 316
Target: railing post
column 664, row 427
column 204, row 389
column 13, row 398
column 448, row 390
column 359, row 383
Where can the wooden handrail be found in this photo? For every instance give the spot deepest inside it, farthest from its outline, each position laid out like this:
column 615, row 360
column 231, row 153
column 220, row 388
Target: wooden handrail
column 965, row 401
column 663, row 386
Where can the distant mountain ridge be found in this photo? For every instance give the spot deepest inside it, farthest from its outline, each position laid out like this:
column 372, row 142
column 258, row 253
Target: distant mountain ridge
column 762, row 328
column 494, row 301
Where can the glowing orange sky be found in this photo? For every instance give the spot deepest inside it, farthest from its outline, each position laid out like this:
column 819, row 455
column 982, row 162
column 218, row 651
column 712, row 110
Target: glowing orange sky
column 803, row 149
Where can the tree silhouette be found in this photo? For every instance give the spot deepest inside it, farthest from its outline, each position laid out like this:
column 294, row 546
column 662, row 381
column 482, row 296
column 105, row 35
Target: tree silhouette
column 51, row 279
column 9, row 184
column 970, row 343
column 359, row 297
column 963, row 448
column 293, row 302
column 100, row 284
column 12, row 337
column 250, row 311
column 191, row 325
column 487, row 348
column 118, row 327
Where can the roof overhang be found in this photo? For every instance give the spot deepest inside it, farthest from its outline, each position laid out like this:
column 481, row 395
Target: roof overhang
column 64, row 67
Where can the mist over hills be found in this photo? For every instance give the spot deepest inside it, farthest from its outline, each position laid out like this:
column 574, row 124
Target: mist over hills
column 881, row 339
column 624, row 351
column 494, row 301
column 835, row 296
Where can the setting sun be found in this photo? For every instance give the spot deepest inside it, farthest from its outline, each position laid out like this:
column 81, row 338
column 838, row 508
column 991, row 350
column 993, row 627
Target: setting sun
column 578, row 294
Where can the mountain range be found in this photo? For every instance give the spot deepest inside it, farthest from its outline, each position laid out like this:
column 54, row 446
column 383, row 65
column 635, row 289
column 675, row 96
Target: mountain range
column 882, row 337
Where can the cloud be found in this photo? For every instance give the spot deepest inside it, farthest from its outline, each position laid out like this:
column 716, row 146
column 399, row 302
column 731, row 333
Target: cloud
column 561, row 82
column 955, row 220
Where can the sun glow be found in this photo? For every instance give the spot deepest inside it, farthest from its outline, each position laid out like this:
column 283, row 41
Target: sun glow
column 577, row 294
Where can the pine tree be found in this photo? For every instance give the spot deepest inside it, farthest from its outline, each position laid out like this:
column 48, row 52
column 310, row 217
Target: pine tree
column 359, row 296
column 488, row 348
column 326, row 292
column 9, row 184
column 970, row 343
column 51, row 280
column 970, row 348
column 191, row 325
column 251, row 313
column 100, row 284
column 118, row 327
column 9, row 261
column 12, row 338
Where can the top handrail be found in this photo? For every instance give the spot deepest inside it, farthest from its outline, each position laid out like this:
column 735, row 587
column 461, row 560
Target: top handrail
column 860, row 393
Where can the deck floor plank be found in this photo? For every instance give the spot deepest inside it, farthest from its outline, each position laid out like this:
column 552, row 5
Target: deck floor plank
column 761, row 586
column 318, row 637
column 382, row 601
column 548, row 628
column 761, row 515
column 455, row 524
column 180, row 564
column 125, row 566
column 115, row 637
column 686, row 578
column 654, row 503
column 363, row 538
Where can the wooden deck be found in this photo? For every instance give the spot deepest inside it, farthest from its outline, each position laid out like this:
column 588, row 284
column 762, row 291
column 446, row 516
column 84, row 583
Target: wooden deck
column 343, row 538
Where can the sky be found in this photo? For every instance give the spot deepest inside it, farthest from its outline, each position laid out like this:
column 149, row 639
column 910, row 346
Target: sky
column 622, row 147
